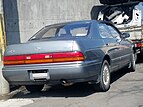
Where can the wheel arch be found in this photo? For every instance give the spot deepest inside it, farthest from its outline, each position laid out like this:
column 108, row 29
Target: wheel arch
column 107, row 57
column 101, row 86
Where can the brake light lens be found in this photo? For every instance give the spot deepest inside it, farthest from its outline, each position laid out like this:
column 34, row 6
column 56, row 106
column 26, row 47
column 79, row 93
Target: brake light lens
column 43, row 58
column 139, row 45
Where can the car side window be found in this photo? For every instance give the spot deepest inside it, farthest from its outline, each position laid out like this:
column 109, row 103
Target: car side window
column 82, row 31
column 104, row 32
column 113, row 32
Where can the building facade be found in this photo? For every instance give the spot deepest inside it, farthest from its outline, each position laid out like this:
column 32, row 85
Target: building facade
column 23, row 18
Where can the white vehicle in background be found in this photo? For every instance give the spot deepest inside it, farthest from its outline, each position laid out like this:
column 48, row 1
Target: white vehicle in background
column 127, row 17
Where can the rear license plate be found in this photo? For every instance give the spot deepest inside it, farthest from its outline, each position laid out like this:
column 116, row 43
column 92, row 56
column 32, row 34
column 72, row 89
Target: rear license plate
column 39, row 74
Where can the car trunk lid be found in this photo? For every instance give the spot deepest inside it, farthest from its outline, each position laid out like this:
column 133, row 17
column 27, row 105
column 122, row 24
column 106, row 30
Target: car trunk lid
column 42, row 52
column 39, row 47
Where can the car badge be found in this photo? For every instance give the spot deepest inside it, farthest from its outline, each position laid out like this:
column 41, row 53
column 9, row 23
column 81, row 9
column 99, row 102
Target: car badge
column 38, row 48
column 11, row 51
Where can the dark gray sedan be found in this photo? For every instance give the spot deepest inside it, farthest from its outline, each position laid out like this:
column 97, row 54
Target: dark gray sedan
column 68, row 53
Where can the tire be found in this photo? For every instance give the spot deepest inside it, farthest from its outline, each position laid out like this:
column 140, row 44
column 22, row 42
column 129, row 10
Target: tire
column 104, row 83
column 34, row 88
column 132, row 64
column 136, row 56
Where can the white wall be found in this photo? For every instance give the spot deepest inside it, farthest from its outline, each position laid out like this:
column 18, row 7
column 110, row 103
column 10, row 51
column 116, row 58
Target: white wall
column 25, row 17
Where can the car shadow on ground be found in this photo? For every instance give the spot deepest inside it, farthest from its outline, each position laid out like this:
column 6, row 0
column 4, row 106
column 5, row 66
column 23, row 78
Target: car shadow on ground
column 77, row 90
column 117, row 75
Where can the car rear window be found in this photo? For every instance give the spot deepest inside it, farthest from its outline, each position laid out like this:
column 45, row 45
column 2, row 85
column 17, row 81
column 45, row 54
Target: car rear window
column 63, row 30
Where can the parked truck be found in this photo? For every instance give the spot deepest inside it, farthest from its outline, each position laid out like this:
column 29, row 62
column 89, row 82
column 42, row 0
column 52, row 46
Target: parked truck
column 127, row 15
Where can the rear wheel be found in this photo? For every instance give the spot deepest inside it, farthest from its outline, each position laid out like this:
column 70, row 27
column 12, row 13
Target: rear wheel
column 104, row 83
column 34, row 88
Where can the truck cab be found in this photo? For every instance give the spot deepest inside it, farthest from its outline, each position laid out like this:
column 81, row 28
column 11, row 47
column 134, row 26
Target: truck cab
column 127, row 15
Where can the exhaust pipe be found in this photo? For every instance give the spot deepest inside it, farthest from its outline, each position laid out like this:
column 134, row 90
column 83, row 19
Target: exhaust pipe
column 66, row 83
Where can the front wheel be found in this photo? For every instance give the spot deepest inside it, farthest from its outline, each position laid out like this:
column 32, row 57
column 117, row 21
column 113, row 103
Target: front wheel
column 34, row 88
column 132, row 64
column 104, row 78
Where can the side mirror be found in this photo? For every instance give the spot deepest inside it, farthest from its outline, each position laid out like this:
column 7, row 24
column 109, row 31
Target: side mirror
column 125, row 35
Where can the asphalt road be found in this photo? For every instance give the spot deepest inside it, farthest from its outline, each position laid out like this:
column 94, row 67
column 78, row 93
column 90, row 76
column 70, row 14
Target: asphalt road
column 126, row 91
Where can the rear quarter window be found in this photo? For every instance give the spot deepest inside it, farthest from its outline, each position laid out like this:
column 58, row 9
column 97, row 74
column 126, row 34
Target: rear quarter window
column 82, row 31
column 104, row 32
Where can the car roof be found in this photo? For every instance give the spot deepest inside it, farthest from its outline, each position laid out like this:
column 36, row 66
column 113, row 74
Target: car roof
column 72, row 22
column 79, row 22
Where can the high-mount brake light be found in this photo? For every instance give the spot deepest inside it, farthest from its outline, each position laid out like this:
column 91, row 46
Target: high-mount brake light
column 43, row 58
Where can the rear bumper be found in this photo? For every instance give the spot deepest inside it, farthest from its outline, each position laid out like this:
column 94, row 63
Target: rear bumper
column 72, row 72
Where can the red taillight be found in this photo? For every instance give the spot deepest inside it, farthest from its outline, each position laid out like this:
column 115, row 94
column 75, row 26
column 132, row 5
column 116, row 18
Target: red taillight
column 13, row 58
column 68, row 56
column 139, row 45
column 43, row 58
